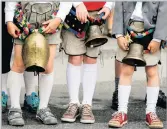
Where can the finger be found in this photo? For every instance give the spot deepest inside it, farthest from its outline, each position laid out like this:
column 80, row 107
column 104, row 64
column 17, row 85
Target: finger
column 100, row 11
column 105, row 16
column 149, row 47
column 85, row 18
column 46, row 22
column 14, row 35
column 46, row 29
column 17, row 29
column 79, row 16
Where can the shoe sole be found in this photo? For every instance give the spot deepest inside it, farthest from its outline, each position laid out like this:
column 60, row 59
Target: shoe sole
column 69, row 120
column 87, row 121
column 38, row 118
column 16, row 124
column 118, row 126
column 153, row 126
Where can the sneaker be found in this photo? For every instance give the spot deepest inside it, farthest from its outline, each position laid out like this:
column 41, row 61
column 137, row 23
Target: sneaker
column 31, row 102
column 118, row 120
column 87, row 116
column 71, row 113
column 115, row 100
column 153, row 121
column 46, row 116
column 4, row 102
column 15, row 117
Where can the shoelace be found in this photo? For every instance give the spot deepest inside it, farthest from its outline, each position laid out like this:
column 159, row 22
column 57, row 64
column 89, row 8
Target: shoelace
column 71, row 109
column 153, row 116
column 46, row 112
column 86, row 110
column 118, row 115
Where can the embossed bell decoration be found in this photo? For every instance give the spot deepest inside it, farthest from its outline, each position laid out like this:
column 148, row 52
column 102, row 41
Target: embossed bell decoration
column 95, row 37
column 35, row 53
column 135, row 55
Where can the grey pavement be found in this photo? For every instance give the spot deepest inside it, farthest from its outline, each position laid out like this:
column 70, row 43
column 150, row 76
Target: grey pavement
column 102, row 97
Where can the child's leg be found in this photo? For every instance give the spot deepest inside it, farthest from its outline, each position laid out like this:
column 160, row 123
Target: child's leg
column 47, row 80
column 15, row 77
column 152, row 88
column 45, row 88
column 15, row 81
column 118, row 67
column 124, row 87
column 152, row 119
column 74, row 77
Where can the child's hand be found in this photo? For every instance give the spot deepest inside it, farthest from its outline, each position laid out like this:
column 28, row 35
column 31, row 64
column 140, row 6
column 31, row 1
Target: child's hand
column 123, row 43
column 82, row 13
column 154, row 46
column 13, row 30
column 106, row 12
column 52, row 25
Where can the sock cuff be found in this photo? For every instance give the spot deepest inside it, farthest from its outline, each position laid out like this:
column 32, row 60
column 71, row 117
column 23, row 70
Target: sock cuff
column 90, row 67
column 49, row 74
column 16, row 73
column 69, row 65
column 153, row 87
column 124, row 86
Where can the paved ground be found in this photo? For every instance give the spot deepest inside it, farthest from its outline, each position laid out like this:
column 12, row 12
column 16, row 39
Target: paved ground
column 102, row 97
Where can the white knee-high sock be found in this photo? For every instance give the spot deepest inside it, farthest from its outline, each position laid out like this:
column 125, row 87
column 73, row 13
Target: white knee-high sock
column 45, row 89
column 152, row 97
column 4, row 82
column 15, row 81
column 30, row 82
column 73, row 82
column 89, row 82
column 123, row 98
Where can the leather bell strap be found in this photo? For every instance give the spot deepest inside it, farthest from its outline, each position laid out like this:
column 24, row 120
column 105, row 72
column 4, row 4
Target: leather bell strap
column 91, row 19
column 26, row 26
column 140, row 35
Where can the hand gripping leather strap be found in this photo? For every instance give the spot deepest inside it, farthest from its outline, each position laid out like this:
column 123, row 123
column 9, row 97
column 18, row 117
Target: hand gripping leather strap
column 26, row 27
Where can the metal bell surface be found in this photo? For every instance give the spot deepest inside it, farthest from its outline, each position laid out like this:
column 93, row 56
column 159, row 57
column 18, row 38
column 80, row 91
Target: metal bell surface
column 35, row 53
column 95, row 37
column 135, row 55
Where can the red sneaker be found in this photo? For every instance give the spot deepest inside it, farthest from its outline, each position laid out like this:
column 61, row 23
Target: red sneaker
column 153, row 121
column 118, row 120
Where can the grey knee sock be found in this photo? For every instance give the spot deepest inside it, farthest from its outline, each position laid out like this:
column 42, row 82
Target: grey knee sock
column 116, row 83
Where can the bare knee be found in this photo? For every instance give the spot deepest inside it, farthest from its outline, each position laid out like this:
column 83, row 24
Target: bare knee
column 90, row 60
column 18, row 67
column 75, row 60
column 152, row 71
column 127, row 70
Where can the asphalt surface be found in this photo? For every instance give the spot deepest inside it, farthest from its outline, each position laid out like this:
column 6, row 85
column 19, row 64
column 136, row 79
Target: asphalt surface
column 136, row 116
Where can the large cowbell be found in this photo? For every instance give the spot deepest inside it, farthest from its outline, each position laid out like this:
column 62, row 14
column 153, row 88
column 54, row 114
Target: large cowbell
column 95, row 37
column 35, row 53
column 135, row 55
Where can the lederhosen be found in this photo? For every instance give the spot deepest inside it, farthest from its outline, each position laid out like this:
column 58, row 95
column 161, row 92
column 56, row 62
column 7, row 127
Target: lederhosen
column 138, row 28
column 73, row 43
column 38, row 12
